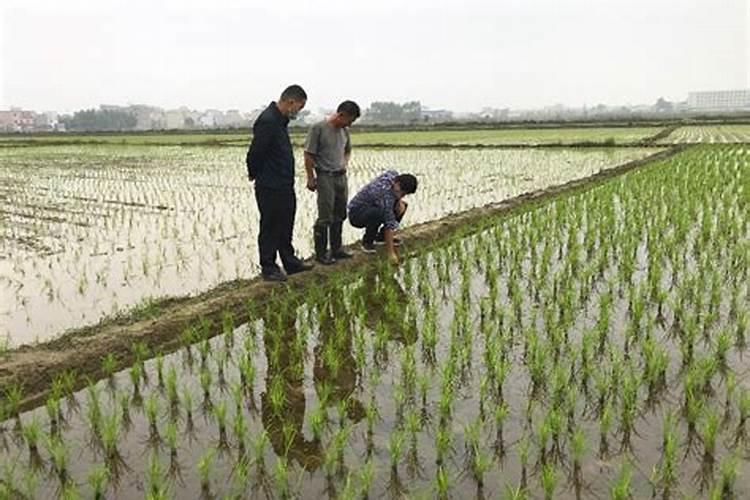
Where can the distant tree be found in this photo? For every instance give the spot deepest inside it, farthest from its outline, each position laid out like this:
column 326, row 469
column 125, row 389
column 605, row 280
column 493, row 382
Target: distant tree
column 663, row 106
column 98, row 120
column 390, row 112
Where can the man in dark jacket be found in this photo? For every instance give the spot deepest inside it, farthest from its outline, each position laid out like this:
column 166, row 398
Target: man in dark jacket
column 270, row 164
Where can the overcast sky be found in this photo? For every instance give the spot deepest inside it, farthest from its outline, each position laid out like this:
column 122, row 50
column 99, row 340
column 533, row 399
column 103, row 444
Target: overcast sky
column 461, row 55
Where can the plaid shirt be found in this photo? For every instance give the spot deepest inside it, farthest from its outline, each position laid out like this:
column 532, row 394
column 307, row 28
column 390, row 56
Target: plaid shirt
column 379, row 193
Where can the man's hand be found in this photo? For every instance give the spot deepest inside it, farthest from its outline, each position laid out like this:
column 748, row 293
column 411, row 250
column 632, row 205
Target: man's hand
column 312, row 183
column 393, row 258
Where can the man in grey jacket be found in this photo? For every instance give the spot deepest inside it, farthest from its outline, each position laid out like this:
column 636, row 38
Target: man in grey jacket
column 327, row 151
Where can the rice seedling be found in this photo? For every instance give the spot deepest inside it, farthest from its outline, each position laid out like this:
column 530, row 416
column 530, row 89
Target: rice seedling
column 205, row 470
column 31, row 433
column 151, row 407
column 549, row 480
column 97, row 479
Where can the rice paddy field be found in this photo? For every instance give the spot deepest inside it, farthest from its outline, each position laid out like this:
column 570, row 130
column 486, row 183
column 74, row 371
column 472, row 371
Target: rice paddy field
column 709, row 134
column 92, row 231
column 589, row 344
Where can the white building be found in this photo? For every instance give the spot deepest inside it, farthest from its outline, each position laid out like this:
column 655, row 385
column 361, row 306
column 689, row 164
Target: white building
column 719, row 100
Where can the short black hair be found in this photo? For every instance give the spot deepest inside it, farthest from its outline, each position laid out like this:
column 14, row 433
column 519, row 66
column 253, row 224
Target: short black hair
column 294, row 93
column 350, row 108
column 407, row 182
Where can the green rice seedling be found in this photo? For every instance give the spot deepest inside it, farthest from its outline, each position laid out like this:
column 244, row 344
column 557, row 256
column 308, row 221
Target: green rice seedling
column 30, row 482
column 281, row 477
column 31, row 433
column 277, row 397
column 621, row 489
column 53, row 414
column 366, row 477
column 109, row 367
column 139, row 350
column 187, row 338
column 666, row 471
column 173, row 394
column 220, row 357
column 578, row 450
column 59, row 457
column 204, row 348
column 135, row 379
column 239, row 427
column 247, row 373
column 549, row 481
column 709, row 428
column 728, row 479
column 187, row 405
column 123, row 401
column 160, row 371
column 395, row 449
column 372, row 415
column 151, row 407
column 13, row 397
column 741, row 329
column 156, row 486
column 69, row 491
column 481, row 462
column 220, row 414
column 259, row 449
column 206, row 381
column 94, row 412
column 111, row 430
column 205, row 471
column 515, row 493
column 442, row 482
column 318, row 421
column 97, row 479
column 443, row 439
column 605, row 423
column 227, row 328
column 721, row 348
column 743, row 406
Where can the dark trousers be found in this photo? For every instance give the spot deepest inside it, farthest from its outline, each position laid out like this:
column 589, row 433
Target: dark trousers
column 277, row 209
column 371, row 218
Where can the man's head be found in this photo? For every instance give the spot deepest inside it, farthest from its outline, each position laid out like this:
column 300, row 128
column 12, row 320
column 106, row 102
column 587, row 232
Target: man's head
column 404, row 184
column 346, row 114
column 292, row 100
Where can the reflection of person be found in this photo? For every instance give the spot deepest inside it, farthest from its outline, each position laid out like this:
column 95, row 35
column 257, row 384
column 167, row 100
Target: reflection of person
column 380, row 203
column 385, row 301
column 335, row 366
column 270, row 164
column 287, row 363
column 327, row 151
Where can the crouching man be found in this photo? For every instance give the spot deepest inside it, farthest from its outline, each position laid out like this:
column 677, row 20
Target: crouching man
column 379, row 207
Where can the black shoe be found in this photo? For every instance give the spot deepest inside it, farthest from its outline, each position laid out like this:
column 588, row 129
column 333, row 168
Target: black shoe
column 325, row 259
column 342, row 254
column 301, row 268
column 275, row 275
column 368, row 247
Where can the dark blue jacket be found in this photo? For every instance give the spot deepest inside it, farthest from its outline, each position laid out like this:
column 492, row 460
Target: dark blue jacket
column 270, row 161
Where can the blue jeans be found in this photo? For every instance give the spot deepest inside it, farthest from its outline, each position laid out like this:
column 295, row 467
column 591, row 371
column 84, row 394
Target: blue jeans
column 371, row 218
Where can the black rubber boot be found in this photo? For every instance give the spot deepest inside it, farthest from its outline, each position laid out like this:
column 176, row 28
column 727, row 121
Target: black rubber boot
column 337, row 251
column 321, row 246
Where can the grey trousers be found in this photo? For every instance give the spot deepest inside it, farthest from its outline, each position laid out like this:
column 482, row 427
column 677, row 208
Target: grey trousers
column 333, row 193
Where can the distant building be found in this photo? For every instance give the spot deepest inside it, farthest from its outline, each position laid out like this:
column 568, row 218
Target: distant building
column 175, row 119
column 719, row 100
column 436, row 115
